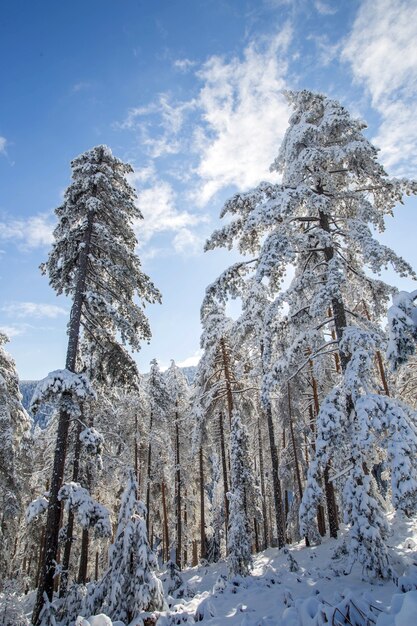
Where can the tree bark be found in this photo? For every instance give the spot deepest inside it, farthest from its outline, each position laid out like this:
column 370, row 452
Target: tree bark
column 228, row 379
column 202, row 508
column 276, row 483
column 82, row 571
column 178, row 489
column 54, row 509
column 70, row 522
column 164, row 510
column 148, row 481
column 263, row 492
column 224, row 468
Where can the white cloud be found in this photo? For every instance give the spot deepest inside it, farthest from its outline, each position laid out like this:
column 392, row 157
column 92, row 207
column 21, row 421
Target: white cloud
column 191, row 360
column 3, row 143
column 157, row 204
column 13, row 330
column 383, row 55
column 33, row 309
column 187, row 242
column 183, row 65
column 161, row 139
column 34, row 232
column 325, row 8
column 244, row 116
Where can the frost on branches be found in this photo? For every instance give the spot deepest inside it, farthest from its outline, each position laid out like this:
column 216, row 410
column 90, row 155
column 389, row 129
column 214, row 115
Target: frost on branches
column 130, row 586
column 402, row 328
column 90, row 514
column 14, row 436
column 320, row 221
column 65, row 389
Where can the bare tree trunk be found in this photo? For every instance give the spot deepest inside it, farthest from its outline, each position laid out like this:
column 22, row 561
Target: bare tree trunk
column 164, row 510
column 276, row 483
column 224, row 468
column 148, row 481
column 178, row 489
column 54, row 509
column 202, row 508
column 82, row 571
column 70, row 522
column 96, row 567
column 263, row 493
column 228, row 378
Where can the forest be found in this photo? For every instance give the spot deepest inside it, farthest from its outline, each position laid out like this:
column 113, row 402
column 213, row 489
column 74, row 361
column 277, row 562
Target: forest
column 294, row 441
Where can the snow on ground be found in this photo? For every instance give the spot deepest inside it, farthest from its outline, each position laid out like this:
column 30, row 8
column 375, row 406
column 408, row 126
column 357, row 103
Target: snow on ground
column 299, row 587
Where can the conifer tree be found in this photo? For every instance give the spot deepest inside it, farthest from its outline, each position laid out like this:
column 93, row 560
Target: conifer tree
column 319, row 219
column 93, row 262
column 239, row 536
column 14, row 438
column 130, row 586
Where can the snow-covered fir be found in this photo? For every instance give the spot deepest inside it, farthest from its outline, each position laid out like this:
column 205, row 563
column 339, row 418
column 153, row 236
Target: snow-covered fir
column 276, row 485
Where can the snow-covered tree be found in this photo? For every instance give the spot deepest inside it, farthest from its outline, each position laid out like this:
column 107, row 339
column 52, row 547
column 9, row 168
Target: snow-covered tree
column 402, row 327
column 130, row 586
column 178, row 389
column 320, row 221
column 93, row 262
column 239, row 541
column 160, row 451
column 14, row 438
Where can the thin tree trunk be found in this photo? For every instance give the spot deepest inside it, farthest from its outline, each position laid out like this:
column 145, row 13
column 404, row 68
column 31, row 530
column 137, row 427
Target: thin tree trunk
column 148, row 481
column 224, row 468
column 96, row 567
column 332, row 516
column 263, row 493
column 202, row 507
column 82, row 571
column 276, row 483
column 378, row 356
column 178, row 489
column 70, row 522
column 228, row 379
column 164, row 510
column 54, row 509
column 185, row 526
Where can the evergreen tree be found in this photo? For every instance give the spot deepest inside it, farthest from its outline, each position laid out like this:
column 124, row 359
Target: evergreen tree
column 319, row 219
column 14, row 440
column 239, row 542
column 93, row 261
column 130, row 586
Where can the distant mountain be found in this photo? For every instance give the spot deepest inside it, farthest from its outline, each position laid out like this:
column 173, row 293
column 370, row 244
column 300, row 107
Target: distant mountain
column 27, row 388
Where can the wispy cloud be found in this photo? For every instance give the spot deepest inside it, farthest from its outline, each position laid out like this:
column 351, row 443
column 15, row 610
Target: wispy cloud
column 34, row 232
column 33, row 310
column 244, row 116
column 158, row 206
column 326, row 8
column 183, row 65
column 3, row 144
column 383, row 55
column 14, row 330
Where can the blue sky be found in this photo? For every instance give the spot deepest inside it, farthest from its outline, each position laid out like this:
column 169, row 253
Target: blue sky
column 190, row 93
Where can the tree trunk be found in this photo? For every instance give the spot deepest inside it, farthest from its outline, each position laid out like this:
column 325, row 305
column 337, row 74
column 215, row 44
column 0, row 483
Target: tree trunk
column 224, row 468
column 178, row 489
column 228, row 379
column 263, row 493
column 202, row 508
column 276, row 483
column 70, row 522
column 54, row 509
column 164, row 510
column 148, row 481
column 82, row 571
